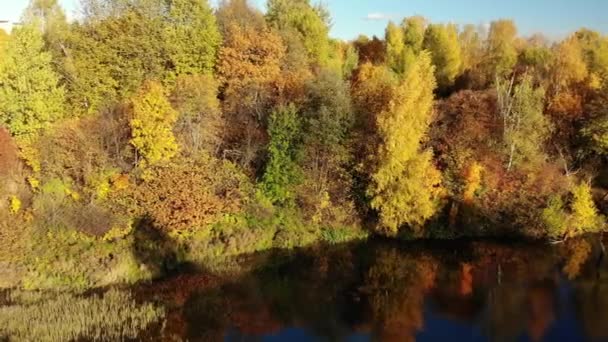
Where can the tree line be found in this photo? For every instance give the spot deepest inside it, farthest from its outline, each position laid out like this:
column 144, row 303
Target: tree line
column 190, row 117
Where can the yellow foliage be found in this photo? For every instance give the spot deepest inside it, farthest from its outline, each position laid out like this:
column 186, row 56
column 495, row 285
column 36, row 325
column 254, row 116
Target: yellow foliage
column 578, row 253
column 118, row 232
column 405, row 183
column 472, row 177
column 152, row 124
column 584, row 212
column 14, row 204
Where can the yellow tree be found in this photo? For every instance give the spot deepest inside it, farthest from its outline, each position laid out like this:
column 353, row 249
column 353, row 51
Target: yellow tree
column 442, row 42
column 152, row 124
column 404, row 182
column 501, row 54
column 395, row 47
column 584, row 213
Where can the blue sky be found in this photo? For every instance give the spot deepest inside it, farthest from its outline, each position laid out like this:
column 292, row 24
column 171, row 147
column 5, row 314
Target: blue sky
column 555, row 18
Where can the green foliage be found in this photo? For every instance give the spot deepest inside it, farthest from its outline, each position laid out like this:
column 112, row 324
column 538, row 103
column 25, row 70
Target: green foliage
column 129, row 48
column 310, row 23
column 442, row 42
column 555, row 217
column 525, row 127
column 152, row 121
column 192, row 37
column 30, row 95
column 282, row 172
column 501, row 53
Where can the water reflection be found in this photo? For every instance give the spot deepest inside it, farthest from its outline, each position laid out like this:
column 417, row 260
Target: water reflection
column 385, row 291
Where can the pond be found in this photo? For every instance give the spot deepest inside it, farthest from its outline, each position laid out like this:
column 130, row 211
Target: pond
column 377, row 290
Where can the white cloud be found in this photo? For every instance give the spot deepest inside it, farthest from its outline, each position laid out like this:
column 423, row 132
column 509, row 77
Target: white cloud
column 376, row 16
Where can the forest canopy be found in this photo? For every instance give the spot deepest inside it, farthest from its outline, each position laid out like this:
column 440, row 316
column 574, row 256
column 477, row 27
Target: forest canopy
column 232, row 127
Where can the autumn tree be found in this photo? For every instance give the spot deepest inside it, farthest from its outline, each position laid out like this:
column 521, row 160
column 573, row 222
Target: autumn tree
column 200, row 123
column 501, row 53
column 413, row 33
column 584, row 213
column 192, row 37
column 404, row 184
column 471, row 46
column 152, row 122
column 327, row 121
column 249, row 62
column 595, row 52
column 310, row 23
column 370, row 50
column 525, row 128
column 442, row 42
column 30, row 96
column 395, row 47
column 240, row 13
column 413, row 36
column 51, row 18
column 129, row 48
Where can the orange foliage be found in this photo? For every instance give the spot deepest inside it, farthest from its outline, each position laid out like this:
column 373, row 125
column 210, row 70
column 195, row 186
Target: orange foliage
column 9, row 154
column 188, row 194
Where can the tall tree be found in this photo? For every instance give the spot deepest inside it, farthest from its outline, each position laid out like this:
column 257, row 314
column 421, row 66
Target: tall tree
column 200, row 121
column 152, row 122
column 395, row 47
column 501, row 54
column 192, row 37
column 51, row 17
column 128, row 40
column 240, row 13
column 525, row 128
column 249, row 62
column 282, row 172
column 404, row 181
column 30, row 95
column 310, row 23
column 442, row 42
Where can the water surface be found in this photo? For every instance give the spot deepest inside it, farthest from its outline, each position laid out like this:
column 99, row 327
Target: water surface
column 383, row 291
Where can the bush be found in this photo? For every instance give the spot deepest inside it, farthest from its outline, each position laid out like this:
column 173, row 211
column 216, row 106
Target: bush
column 189, row 194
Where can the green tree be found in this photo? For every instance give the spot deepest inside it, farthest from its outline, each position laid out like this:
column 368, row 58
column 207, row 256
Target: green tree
column 282, row 172
column 152, row 121
column 128, row 40
column 404, row 185
column 30, row 95
column 53, row 22
column 442, row 42
column 327, row 122
column 501, row 54
column 192, row 37
column 311, row 23
column 595, row 51
column 525, row 127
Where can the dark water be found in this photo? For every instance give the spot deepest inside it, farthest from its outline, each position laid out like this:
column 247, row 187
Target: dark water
column 386, row 291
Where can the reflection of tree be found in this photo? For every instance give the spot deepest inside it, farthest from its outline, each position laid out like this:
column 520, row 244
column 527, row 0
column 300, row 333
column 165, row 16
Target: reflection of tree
column 578, row 253
column 504, row 319
column 396, row 285
column 592, row 307
column 541, row 309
